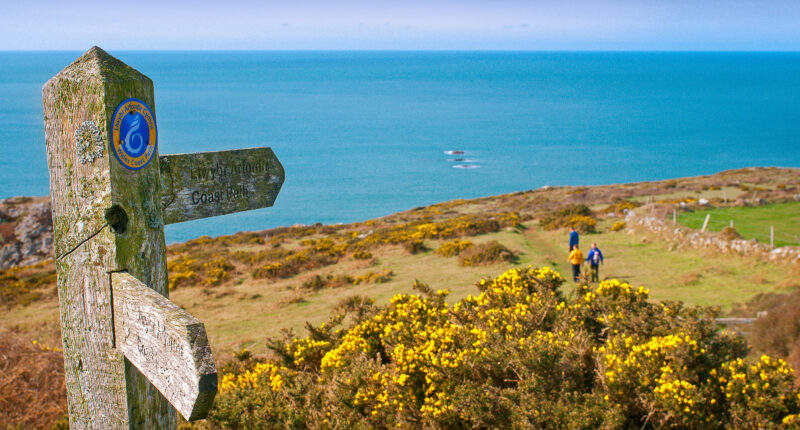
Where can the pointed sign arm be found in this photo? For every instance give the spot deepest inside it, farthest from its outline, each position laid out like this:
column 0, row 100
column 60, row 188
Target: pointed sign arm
column 167, row 344
column 207, row 184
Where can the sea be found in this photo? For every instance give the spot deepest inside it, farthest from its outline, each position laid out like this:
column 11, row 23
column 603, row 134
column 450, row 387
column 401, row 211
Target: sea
column 367, row 133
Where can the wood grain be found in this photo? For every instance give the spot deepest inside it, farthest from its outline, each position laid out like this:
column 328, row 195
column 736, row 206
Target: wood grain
column 104, row 391
column 167, row 344
column 209, row 184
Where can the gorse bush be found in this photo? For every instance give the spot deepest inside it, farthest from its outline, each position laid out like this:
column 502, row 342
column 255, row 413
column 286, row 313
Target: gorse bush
column 262, row 260
column 618, row 225
column 415, row 246
column 453, row 247
column 583, row 224
column 520, row 354
column 577, row 216
column 23, row 285
column 362, row 255
column 318, row 282
column 620, row 207
column 485, row 253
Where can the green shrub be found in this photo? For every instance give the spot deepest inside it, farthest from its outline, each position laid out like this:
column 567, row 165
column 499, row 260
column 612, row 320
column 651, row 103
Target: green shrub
column 415, row 246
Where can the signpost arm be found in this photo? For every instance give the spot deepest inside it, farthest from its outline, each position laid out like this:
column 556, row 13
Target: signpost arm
column 166, row 343
column 93, row 194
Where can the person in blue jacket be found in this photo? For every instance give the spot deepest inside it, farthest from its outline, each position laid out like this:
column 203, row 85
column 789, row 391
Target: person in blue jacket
column 595, row 259
column 573, row 238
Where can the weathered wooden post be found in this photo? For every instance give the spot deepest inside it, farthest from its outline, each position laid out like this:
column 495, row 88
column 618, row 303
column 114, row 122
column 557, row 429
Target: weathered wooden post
column 131, row 356
column 772, row 237
column 705, row 222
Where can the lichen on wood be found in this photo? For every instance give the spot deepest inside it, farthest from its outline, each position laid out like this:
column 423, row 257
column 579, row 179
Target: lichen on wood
column 209, row 184
column 103, row 389
column 167, row 344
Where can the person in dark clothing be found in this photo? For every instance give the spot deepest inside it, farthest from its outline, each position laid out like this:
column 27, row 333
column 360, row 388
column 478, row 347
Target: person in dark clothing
column 573, row 238
column 595, row 259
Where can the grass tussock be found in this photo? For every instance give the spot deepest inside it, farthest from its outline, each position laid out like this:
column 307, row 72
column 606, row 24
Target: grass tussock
column 730, row 233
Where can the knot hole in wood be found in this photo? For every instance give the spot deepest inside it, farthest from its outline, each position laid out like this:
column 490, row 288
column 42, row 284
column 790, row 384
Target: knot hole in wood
column 117, row 219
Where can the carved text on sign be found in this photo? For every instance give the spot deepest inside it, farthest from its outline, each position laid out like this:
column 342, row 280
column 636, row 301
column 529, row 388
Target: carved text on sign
column 167, row 344
column 209, row 184
column 223, row 170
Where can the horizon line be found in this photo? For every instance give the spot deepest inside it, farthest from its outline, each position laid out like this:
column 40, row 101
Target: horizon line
column 623, row 50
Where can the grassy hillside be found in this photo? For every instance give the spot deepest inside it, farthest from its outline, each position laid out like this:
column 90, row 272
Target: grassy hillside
column 250, row 286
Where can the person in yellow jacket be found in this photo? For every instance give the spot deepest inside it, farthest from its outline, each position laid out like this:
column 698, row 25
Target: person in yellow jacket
column 576, row 258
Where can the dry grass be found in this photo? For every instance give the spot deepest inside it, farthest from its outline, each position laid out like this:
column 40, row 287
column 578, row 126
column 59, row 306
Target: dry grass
column 690, row 278
column 32, row 391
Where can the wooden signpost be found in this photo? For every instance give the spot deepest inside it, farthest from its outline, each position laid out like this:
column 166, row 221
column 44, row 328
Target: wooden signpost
column 132, row 357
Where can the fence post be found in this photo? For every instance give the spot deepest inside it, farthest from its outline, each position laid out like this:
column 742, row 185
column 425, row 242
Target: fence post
column 106, row 218
column 731, row 223
column 674, row 217
column 771, row 236
column 705, row 223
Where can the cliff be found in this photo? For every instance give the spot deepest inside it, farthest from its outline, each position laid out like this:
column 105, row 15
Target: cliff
column 26, row 231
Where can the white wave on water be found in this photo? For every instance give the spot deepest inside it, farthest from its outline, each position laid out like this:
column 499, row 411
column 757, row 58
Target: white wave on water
column 466, row 166
column 454, row 152
column 462, row 160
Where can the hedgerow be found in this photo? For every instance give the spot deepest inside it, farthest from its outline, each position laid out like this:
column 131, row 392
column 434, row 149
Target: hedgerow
column 520, row 354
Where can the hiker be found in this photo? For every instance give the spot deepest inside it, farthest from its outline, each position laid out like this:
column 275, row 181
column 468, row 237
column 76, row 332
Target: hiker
column 573, row 238
column 595, row 259
column 576, row 258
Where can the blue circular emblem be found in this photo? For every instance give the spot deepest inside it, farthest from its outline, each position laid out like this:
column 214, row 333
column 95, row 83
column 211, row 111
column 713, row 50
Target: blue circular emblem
column 133, row 133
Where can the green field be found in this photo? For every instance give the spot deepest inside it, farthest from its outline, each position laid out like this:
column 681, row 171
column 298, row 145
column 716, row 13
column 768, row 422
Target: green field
column 752, row 221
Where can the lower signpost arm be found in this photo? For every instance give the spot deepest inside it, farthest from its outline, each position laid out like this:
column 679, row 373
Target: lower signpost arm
column 167, row 344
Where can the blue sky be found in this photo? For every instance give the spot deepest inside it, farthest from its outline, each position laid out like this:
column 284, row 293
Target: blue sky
column 409, row 24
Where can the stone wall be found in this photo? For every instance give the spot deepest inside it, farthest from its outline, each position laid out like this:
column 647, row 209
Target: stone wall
column 26, row 231
column 653, row 218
